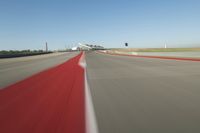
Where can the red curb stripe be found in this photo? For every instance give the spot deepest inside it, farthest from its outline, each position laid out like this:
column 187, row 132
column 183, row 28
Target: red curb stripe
column 49, row 102
column 158, row 57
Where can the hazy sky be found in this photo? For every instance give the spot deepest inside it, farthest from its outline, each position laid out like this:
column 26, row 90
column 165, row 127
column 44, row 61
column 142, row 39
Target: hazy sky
column 28, row 24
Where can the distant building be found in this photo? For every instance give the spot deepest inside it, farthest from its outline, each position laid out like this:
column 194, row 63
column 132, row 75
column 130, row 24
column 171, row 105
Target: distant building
column 87, row 47
column 84, row 47
column 74, row 48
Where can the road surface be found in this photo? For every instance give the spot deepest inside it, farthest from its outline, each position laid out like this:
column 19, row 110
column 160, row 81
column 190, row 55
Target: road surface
column 15, row 69
column 129, row 94
column 188, row 54
column 143, row 95
column 51, row 101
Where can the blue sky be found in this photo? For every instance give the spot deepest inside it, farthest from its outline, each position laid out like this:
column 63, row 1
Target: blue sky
column 28, row 24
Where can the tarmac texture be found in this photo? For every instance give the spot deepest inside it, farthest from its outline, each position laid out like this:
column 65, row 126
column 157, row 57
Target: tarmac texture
column 13, row 70
column 144, row 95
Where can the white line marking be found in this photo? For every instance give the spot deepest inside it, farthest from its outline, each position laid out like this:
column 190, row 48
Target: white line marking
column 91, row 123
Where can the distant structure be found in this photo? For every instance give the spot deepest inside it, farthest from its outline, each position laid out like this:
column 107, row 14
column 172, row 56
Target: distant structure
column 87, row 47
column 46, row 47
column 165, row 45
column 126, row 44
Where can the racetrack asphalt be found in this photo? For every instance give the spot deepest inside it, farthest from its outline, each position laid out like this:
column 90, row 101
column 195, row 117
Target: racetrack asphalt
column 51, row 101
column 130, row 94
column 13, row 70
column 144, row 95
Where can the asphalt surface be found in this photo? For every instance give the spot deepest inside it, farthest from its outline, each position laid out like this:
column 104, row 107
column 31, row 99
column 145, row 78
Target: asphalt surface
column 51, row 101
column 143, row 95
column 13, row 70
column 194, row 54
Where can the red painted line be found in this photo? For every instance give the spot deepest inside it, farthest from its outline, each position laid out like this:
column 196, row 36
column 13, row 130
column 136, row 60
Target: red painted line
column 49, row 102
column 158, row 57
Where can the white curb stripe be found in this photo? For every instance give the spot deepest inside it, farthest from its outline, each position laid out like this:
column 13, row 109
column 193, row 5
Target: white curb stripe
column 91, row 123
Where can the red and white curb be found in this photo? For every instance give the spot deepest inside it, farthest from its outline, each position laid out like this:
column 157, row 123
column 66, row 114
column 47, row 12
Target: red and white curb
column 57, row 100
column 90, row 118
